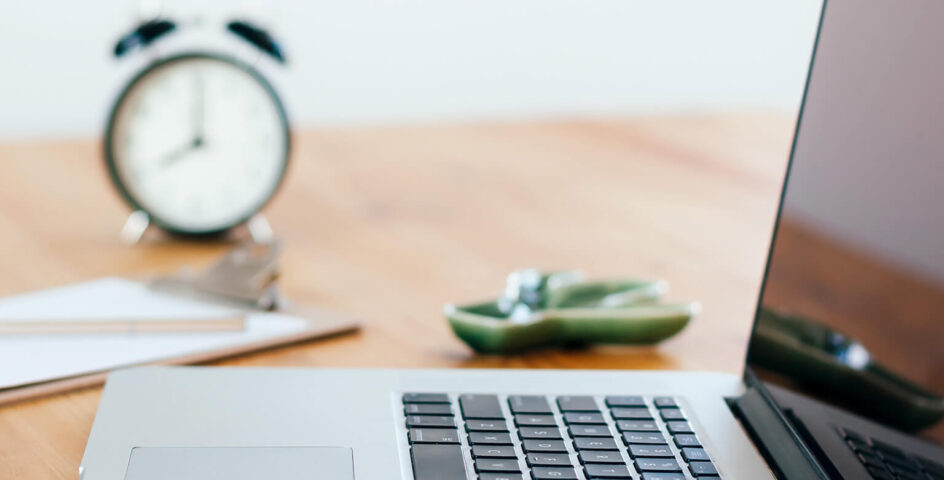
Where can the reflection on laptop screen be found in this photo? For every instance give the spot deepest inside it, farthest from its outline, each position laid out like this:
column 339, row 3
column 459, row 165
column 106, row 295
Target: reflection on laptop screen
column 853, row 305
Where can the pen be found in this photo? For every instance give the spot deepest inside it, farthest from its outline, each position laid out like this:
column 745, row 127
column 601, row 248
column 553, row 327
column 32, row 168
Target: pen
column 40, row 326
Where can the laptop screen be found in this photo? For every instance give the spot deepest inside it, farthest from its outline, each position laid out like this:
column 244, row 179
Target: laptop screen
column 852, row 310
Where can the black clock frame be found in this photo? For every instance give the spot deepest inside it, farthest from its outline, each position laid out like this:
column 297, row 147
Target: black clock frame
column 112, row 117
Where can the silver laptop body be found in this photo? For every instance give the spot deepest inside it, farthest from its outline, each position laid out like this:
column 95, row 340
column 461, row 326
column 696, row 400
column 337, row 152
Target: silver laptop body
column 874, row 93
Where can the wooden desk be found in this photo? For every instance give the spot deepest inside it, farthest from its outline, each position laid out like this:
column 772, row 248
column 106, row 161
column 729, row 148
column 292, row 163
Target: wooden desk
column 390, row 223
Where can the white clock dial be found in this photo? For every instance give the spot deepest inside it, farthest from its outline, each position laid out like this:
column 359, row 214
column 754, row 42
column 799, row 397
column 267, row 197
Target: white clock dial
column 198, row 142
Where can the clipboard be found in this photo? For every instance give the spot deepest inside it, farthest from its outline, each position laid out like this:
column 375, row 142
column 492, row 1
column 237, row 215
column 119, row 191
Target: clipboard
column 51, row 364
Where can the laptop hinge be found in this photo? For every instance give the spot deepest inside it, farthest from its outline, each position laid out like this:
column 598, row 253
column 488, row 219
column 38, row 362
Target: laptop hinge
column 785, row 453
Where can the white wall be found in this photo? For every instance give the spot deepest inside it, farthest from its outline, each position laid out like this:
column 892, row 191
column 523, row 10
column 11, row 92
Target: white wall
column 376, row 61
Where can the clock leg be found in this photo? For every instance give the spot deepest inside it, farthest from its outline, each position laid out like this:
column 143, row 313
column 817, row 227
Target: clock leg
column 134, row 228
column 259, row 229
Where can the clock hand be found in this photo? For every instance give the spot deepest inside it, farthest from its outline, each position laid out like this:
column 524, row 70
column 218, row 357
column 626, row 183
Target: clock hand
column 199, row 111
column 175, row 156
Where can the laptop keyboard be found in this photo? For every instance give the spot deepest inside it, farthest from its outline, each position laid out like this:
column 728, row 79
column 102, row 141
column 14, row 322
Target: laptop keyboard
column 533, row 437
column 888, row 462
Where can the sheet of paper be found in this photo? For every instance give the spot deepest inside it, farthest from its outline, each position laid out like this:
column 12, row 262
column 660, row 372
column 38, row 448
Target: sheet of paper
column 26, row 359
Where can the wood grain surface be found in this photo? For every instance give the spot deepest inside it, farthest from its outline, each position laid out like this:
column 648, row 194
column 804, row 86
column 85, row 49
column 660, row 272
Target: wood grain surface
column 388, row 224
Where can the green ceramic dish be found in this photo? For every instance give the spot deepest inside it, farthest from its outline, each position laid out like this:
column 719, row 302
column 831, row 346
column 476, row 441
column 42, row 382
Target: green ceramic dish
column 624, row 312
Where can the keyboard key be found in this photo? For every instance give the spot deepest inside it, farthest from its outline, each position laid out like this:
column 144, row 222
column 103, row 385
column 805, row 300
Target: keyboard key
column 678, row 427
column 548, row 459
column 686, row 440
column 694, row 454
column 581, row 418
column 657, row 465
column 486, row 426
column 543, row 446
column 534, row 404
column 887, row 448
column 898, row 476
column 501, row 476
column 931, row 466
column 480, row 407
column 902, row 463
column 437, row 409
column 433, row 435
column 430, row 422
column 500, row 465
column 935, row 476
column 493, row 451
column 592, row 443
column 653, row 451
column 425, row 398
column 535, row 420
column 860, row 446
column 905, row 474
column 589, row 431
column 550, row 433
column 637, row 426
column 427, row 409
column 846, row 433
column 623, row 401
column 553, row 473
column 595, row 470
column 665, row 402
column 662, row 476
column 871, row 460
column 600, row 456
column 437, row 462
column 702, row 469
column 880, row 474
column 489, row 438
column 631, row 414
column 644, row 438
column 669, row 414
column 577, row 404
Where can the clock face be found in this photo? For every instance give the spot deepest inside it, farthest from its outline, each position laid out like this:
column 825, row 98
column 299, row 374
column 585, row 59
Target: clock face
column 198, row 142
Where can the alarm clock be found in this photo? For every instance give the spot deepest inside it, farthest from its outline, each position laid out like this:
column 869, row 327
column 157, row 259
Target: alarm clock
column 197, row 142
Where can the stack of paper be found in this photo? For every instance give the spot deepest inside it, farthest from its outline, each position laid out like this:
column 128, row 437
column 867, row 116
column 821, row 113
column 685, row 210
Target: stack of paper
column 30, row 359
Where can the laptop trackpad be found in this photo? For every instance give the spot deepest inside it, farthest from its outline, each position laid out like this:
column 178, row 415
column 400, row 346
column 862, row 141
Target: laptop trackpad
column 241, row 463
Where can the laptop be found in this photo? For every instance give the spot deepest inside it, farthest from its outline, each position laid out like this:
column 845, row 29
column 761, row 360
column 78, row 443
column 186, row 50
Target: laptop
column 842, row 380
